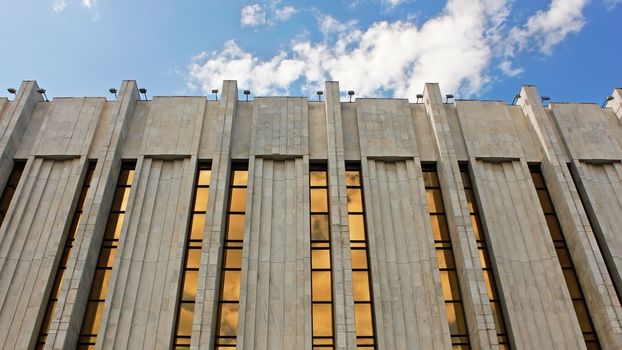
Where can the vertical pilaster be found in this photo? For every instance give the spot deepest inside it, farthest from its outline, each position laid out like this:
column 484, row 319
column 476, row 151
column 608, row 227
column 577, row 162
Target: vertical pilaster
column 345, row 328
column 480, row 321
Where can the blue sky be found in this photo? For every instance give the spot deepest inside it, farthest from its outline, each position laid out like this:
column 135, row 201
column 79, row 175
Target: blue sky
column 482, row 49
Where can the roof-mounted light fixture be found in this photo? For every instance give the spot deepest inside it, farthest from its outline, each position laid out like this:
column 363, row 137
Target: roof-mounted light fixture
column 419, row 98
column 544, row 98
column 516, row 97
column 447, row 97
column 42, row 92
column 319, row 95
column 215, row 92
column 144, row 92
column 350, row 94
column 247, row 92
column 609, row 98
column 11, row 91
column 113, row 91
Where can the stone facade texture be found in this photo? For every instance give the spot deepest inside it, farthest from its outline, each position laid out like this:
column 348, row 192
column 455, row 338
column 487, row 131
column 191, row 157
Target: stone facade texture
column 577, row 146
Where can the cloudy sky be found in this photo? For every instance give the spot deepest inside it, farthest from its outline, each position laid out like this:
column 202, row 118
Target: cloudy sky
column 482, row 49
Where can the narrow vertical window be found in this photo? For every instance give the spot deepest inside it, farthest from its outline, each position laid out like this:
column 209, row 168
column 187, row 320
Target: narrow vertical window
column 321, row 263
column 563, row 255
column 192, row 258
column 445, row 258
column 489, row 278
column 60, row 272
column 9, row 189
column 229, row 298
column 361, row 279
column 103, row 270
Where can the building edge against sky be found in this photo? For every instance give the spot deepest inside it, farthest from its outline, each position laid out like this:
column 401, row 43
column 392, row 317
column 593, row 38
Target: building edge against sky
column 285, row 223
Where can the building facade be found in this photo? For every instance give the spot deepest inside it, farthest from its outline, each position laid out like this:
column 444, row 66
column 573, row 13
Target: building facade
column 283, row 223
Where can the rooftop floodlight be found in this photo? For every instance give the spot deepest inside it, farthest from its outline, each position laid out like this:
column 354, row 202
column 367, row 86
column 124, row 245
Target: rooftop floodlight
column 544, row 98
column 247, row 92
column 215, row 92
column 419, row 97
column 11, row 91
column 447, row 97
column 319, row 95
column 144, row 92
column 609, row 98
column 42, row 92
column 350, row 94
column 113, row 91
column 516, row 97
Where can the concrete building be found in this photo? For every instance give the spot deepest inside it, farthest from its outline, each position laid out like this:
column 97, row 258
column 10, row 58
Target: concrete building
column 283, row 223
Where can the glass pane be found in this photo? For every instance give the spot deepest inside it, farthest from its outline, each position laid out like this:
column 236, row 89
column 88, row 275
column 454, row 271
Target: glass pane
column 538, row 181
column 554, row 229
column 455, row 317
column 321, row 288
column 360, row 286
column 440, row 231
column 545, row 201
column 238, row 200
column 184, row 323
column 317, row 178
column 106, row 257
column 583, row 315
column 228, row 319
column 573, row 284
column 204, row 177
column 563, row 257
column 193, row 260
column 319, row 200
column 200, row 201
column 357, row 227
column 58, row 283
column 233, row 258
column 359, row 259
column 240, row 177
column 490, row 287
column 92, row 317
column 363, row 321
column 322, row 320
column 319, row 227
column 320, row 259
column 47, row 319
column 496, row 314
column 191, row 279
column 126, row 177
column 115, row 223
column 231, row 285
column 451, row 289
column 353, row 178
column 471, row 201
column 198, row 227
column 235, row 229
column 121, row 197
column 477, row 227
column 435, row 200
column 100, row 284
column 483, row 259
column 355, row 200
column 430, row 179
column 445, row 259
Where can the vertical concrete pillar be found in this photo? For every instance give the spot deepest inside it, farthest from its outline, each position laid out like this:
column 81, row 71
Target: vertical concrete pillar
column 479, row 316
column 616, row 103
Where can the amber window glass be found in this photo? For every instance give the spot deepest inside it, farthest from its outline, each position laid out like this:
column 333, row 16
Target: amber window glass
column 231, row 268
column 487, row 268
column 563, row 255
column 192, row 258
column 103, row 270
column 9, row 189
column 361, row 277
column 446, row 262
column 321, row 264
column 60, row 271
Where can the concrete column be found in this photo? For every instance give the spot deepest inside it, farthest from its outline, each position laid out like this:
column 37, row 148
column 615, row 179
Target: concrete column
column 480, row 322
column 616, row 103
column 588, row 260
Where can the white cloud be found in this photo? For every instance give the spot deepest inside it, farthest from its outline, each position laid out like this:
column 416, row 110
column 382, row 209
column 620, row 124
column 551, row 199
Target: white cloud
column 253, row 15
column 59, row 5
column 459, row 48
column 611, row 4
column 283, row 14
column 548, row 28
column 392, row 3
column 88, row 3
